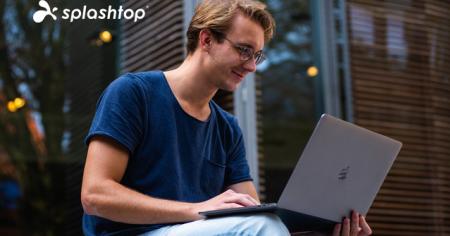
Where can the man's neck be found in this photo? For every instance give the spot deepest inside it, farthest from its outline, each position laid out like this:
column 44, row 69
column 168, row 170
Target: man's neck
column 192, row 87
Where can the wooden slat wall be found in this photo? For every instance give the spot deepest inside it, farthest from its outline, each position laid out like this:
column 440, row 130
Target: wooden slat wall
column 156, row 42
column 259, row 139
column 400, row 66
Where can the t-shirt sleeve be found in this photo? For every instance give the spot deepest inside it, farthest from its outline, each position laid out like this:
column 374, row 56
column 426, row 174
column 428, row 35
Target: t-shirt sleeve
column 119, row 113
column 237, row 169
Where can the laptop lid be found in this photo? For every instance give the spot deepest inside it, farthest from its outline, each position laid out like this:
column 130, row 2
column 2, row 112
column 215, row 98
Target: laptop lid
column 341, row 169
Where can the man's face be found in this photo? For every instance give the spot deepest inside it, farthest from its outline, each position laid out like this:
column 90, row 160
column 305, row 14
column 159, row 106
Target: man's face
column 227, row 68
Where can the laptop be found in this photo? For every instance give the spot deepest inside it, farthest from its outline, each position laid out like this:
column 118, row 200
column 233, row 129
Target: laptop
column 341, row 169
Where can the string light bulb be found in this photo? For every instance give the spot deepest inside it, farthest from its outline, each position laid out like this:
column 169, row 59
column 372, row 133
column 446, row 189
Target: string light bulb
column 105, row 36
column 11, row 106
column 19, row 102
column 312, row 71
column 15, row 104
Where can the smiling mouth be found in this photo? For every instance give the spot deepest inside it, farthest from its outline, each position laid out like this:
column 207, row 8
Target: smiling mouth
column 240, row 76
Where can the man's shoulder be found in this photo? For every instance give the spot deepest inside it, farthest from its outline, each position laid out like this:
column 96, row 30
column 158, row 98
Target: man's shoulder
column 154, row 74
column 225, row 118
column 141, row 82
column 142, row 77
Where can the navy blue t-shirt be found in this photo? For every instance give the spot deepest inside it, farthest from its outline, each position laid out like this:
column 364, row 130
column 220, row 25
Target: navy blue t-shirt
column 172, row 154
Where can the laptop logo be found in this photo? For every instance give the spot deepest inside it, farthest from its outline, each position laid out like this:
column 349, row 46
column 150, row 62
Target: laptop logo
column 343, row 173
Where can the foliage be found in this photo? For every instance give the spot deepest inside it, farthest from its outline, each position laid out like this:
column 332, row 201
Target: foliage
column 32, row 66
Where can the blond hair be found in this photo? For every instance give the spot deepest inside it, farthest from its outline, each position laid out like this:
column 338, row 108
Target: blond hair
column 217, row 17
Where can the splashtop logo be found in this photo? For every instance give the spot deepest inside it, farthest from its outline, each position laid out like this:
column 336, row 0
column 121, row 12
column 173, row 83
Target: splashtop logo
column 40, row 15
column 84, row 13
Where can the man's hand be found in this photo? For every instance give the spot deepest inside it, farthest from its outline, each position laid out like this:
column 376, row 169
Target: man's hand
column 228, row 199
column 357, row 226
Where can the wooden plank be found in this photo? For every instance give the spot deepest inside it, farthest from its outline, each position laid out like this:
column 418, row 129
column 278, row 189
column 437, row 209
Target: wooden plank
column 407, row 98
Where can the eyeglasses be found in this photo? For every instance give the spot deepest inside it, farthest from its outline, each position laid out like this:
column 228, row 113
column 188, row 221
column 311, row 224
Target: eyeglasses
column 246, row 53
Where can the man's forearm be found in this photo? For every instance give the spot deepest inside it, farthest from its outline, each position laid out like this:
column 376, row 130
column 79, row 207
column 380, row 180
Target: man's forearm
column 116, row 202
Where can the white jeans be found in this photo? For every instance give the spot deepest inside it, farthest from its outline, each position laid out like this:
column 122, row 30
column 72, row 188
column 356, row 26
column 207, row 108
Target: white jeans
column 265, row 224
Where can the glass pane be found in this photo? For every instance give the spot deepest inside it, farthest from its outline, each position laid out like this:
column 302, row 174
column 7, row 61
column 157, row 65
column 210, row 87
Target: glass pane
column 51, row 75
column 287, row 81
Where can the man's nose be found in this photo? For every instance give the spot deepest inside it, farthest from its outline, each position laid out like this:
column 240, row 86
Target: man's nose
column 250, row 65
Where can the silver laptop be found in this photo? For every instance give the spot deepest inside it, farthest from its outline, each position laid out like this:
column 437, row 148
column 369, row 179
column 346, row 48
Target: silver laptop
column 341, row 169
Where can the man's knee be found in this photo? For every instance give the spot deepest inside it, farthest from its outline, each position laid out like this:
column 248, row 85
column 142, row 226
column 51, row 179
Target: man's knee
column 263, row 224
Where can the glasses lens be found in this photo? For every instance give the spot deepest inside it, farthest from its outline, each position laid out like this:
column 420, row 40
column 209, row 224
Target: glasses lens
column 246, row 53
column 259, row 57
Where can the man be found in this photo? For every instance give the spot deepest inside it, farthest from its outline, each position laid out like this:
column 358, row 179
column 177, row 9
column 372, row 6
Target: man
column 160, row 150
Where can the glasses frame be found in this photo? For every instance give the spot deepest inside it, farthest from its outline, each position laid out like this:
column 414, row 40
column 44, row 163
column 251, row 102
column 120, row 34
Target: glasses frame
column 247, row 53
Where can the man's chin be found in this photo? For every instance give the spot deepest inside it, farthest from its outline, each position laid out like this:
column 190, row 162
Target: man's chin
column 230, row 87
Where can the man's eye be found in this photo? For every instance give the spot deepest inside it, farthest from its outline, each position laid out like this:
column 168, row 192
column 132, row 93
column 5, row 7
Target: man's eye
column 246, row 50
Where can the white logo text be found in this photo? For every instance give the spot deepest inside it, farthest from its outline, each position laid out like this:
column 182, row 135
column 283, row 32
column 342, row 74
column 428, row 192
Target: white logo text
column 84, row 13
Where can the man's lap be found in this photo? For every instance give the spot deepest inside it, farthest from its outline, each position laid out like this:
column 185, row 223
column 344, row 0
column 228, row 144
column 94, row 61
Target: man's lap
column 247, row 225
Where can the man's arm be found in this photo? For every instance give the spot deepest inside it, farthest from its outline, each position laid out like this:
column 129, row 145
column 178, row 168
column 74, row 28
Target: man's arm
column 103, row 195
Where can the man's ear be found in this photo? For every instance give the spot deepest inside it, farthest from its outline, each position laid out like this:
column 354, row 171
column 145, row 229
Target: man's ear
column 205, row 39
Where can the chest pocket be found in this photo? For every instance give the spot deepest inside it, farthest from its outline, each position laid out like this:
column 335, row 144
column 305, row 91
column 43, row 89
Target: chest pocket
column 215, row 161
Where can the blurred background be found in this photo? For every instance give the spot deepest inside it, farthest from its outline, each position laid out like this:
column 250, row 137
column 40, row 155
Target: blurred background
column 384, row 65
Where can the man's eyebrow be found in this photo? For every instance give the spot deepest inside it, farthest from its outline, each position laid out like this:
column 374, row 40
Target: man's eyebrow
column 247, row 45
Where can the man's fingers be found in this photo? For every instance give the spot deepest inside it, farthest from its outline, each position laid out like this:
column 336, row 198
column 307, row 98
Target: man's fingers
column 252, row 200
column 354, row 227
column 242, row 199
column 248, row 197
column 230, row 205
column 337, row 230
column 364, row 226
column 231, row 193
column 346, row 227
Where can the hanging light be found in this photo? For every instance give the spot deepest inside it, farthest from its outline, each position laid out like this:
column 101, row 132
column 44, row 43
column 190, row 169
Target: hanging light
column 11, row 106
column 16, row 104
column 19, row 102
column 312, row 71
column 105, row 36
